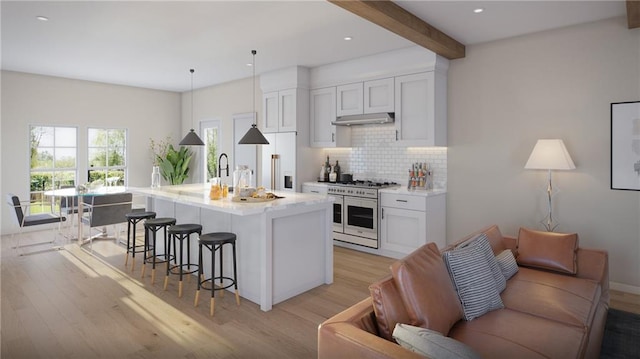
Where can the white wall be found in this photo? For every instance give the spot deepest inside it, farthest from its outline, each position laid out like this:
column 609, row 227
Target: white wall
column 505, row 95
column 29, row 99
column 219, row 102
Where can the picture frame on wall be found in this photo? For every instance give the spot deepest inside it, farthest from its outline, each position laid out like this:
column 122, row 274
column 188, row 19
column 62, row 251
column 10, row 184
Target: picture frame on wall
column 625, row 146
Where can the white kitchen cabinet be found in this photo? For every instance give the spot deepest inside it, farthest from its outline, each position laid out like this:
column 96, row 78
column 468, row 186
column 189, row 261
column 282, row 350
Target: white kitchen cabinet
column 349, row 99
column 315, row 188
column 379, row 96
column 420, row 108
column 280, row 111
column 322, row 113
column 282, row 145
column 409, row 221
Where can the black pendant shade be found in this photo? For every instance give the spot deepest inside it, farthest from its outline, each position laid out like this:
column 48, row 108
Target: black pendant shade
column 253, row 137
column 191, row 139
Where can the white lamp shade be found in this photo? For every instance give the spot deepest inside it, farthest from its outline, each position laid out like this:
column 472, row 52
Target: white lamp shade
column 550, row 155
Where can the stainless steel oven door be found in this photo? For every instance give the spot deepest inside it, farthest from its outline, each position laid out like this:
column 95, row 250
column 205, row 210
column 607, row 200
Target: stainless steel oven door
column 361, row 217
column 338, row 213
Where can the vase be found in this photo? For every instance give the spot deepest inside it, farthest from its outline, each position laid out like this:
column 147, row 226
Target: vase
column 155, row 177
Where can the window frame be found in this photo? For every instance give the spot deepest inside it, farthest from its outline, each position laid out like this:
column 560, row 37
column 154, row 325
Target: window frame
column 107, row 168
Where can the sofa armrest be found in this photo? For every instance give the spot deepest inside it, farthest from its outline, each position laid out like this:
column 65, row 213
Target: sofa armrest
column 594, row 264
column 352, row 334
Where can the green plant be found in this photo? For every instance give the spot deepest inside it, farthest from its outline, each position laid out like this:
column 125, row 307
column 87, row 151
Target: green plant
column 174, row 164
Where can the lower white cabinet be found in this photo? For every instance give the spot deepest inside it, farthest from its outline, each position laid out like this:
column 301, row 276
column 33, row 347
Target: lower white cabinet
column 409, row 221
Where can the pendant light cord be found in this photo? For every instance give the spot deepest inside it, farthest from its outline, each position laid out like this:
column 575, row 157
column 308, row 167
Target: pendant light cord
column 255, row 118
column 192, row 71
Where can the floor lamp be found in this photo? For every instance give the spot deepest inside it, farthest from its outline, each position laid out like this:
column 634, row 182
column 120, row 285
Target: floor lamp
column 549, row 155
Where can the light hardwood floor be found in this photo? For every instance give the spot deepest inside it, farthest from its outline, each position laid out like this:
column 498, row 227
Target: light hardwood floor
column 70, row 304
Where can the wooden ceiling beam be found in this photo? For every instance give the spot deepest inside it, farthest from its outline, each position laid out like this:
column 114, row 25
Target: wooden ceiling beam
column 394, row 18
column 633, row 14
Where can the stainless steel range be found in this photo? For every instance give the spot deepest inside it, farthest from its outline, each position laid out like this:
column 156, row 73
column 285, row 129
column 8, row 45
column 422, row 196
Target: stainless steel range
column 355, row 211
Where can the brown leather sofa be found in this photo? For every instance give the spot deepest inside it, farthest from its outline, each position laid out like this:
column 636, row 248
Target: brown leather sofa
column 546, row 314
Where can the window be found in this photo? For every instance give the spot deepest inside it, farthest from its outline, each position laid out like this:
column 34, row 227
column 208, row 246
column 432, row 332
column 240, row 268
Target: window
column 210, row 134
column 53, row 152
column 107, row 156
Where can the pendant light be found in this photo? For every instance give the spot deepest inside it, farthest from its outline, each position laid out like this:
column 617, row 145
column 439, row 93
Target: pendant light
column 191, row 139
column 253, row 136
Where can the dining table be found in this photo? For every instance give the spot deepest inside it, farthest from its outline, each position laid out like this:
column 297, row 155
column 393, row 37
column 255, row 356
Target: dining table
column 73, row 192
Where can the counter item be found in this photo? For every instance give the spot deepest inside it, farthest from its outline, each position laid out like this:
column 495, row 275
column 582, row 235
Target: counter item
column 323, row 170
column 346, row 177
column 333, row 175
column 155, row 177
column 241, row 179
column 336, row 168
column 420, row 176
column 216, row 191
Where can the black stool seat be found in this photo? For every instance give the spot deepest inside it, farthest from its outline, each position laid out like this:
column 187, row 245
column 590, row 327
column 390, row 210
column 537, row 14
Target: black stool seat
column 159, row 222
column 181, row 232
column 215, row 242
column 132, row 219
column 152, row 226
column 140, row 215
column 185, row 228
column 218, row 238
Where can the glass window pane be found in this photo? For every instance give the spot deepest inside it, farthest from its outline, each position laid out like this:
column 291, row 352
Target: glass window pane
column 116, row 157
column 96, row 175
column 66, row 158
column 64, row 179
column 117, row 138
column 97, row 137
column 43, row 158
column 97, row 157
column 65, row 136
column 42, row 136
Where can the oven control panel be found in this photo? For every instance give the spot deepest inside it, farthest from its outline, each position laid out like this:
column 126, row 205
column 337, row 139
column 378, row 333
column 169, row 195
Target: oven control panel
column 353, row 191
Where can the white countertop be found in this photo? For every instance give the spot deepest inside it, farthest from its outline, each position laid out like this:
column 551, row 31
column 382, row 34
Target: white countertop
column 421, row 193
column 198, row 195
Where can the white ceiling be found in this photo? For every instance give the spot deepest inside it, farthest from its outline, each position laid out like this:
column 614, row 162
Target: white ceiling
column 154, row 44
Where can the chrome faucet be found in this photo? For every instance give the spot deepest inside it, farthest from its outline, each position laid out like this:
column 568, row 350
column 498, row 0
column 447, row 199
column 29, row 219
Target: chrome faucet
column 220, row 164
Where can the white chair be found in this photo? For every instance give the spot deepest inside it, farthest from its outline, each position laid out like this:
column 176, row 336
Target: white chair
column 29, row 220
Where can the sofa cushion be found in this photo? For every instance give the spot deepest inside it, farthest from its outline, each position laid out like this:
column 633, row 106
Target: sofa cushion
column 548, row 250
column 507, row 333
column 473, row 280
column 431, row 343
column 388, row 307
column 554, row 296
column 426, row 290
column 507, row 263
column 493, row 235
column 482, row 242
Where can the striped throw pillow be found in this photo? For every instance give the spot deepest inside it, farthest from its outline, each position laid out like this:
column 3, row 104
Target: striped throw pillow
column 507, row 263
column 473, row 281
column 482, row 241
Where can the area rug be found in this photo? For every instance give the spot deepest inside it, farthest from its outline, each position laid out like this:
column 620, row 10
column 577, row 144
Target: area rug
column 621, row 336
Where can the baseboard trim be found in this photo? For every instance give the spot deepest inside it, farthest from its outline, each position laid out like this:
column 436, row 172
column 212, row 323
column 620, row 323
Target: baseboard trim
column 625, row 288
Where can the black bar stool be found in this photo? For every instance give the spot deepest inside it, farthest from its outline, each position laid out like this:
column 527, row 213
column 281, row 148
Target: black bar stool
column 132, row 219
column 151, row 227
column 181, row 232
column 215, row 242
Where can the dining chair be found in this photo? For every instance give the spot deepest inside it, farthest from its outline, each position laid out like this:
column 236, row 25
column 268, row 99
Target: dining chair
column 21, row 210
column 104, row 210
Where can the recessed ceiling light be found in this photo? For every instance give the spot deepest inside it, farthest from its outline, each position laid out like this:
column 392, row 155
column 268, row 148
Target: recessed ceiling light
column 478, row 10
column 42, row 18
column 249, row 64
column 348, row 38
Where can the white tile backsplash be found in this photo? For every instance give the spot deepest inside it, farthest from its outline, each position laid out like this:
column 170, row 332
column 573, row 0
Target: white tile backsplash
column 375, row 155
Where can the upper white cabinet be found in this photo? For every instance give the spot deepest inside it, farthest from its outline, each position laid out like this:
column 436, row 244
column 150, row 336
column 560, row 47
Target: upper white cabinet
column 365, row 97
column 349, row 99
column 379, row 96
column 322, row 113
column 280, row 110
column 420, row 108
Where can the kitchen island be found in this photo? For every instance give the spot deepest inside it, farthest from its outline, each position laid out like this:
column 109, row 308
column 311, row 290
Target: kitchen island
column 284, row 246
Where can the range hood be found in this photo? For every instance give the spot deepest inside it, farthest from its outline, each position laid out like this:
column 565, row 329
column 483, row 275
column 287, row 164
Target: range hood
column 366, row 119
